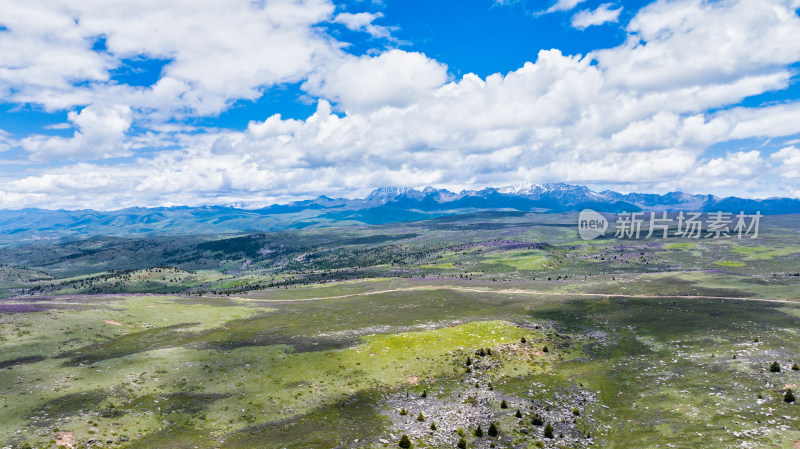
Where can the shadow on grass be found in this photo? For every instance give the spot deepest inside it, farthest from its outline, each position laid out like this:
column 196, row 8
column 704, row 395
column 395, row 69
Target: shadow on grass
column 336, row 425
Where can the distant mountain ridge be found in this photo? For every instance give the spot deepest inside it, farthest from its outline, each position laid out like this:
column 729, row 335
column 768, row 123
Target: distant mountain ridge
column 383, row 205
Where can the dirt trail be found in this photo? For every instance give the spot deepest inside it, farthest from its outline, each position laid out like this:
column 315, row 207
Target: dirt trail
column 514, row 291
column 114, row 323
column 508, row 291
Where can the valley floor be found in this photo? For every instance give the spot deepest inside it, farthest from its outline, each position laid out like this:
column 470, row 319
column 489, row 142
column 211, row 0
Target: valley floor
column 487, row 330
column 361, row 363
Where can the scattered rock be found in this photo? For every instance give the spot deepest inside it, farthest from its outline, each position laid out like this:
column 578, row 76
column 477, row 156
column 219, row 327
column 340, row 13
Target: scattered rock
column 65, row 439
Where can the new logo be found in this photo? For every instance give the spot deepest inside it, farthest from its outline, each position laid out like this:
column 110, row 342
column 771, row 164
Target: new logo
column 591, row 224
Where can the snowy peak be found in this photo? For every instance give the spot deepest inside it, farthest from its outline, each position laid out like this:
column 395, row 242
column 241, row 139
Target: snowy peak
column 387, row 193
column 538, row 189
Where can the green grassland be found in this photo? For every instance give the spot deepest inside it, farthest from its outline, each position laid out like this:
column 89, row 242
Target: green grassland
column 321, row 338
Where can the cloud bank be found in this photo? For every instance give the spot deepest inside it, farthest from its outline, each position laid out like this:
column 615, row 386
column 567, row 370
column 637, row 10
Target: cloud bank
column 642, row 115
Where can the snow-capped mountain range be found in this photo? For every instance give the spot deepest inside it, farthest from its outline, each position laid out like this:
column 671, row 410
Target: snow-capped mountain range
column 554, row 197
column 383, row 205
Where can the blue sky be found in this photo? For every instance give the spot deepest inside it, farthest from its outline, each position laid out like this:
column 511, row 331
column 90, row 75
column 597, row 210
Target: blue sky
column 163, row 103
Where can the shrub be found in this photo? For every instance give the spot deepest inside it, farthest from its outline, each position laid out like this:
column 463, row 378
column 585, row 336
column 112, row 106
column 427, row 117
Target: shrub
column 403, row 412
column 420, row 417
column 576, row 411
column 545, row 349
column 795, row 367
column 492, row 430
column 523, row 340
column 469, row 361
column 503, row 404
column 462, row 443
column 479, row 432
column 548, row 431
column 424, row 394
column 518, row 414
column 537, row 421
column 405, row 443
column 775, row 367
column 789, row 396
column 488, row 351
column 433, row 426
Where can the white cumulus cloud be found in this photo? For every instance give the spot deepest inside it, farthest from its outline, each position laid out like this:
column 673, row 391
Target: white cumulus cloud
column 788, row 160
column 217, row 51
column 563, row 5
column 100, row 134
column 642, row 114
column 363, row 21
column 603, row 14
column 394, row 78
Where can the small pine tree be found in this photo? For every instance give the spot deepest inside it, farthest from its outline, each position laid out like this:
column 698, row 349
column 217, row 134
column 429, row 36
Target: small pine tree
column 420, row 417
column 537, row 421
column 492, row 430
column 576, row 411
column 479, row 432
column 405, row 442
column 403, row 412
column 469, row 361
column 518, row 414
column 424, row 394
column 433, row 426
column 469, row 370
column 789, row 396
column 795, row 367
column 462, row 443
column 488, row 351
column 482, row 352
column 545, row 349
column 523, row 340
column 503, row 404
column 548, row 431
column 775, row 367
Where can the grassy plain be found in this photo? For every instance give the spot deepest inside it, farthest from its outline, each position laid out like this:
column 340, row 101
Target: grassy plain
column 321, row 339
